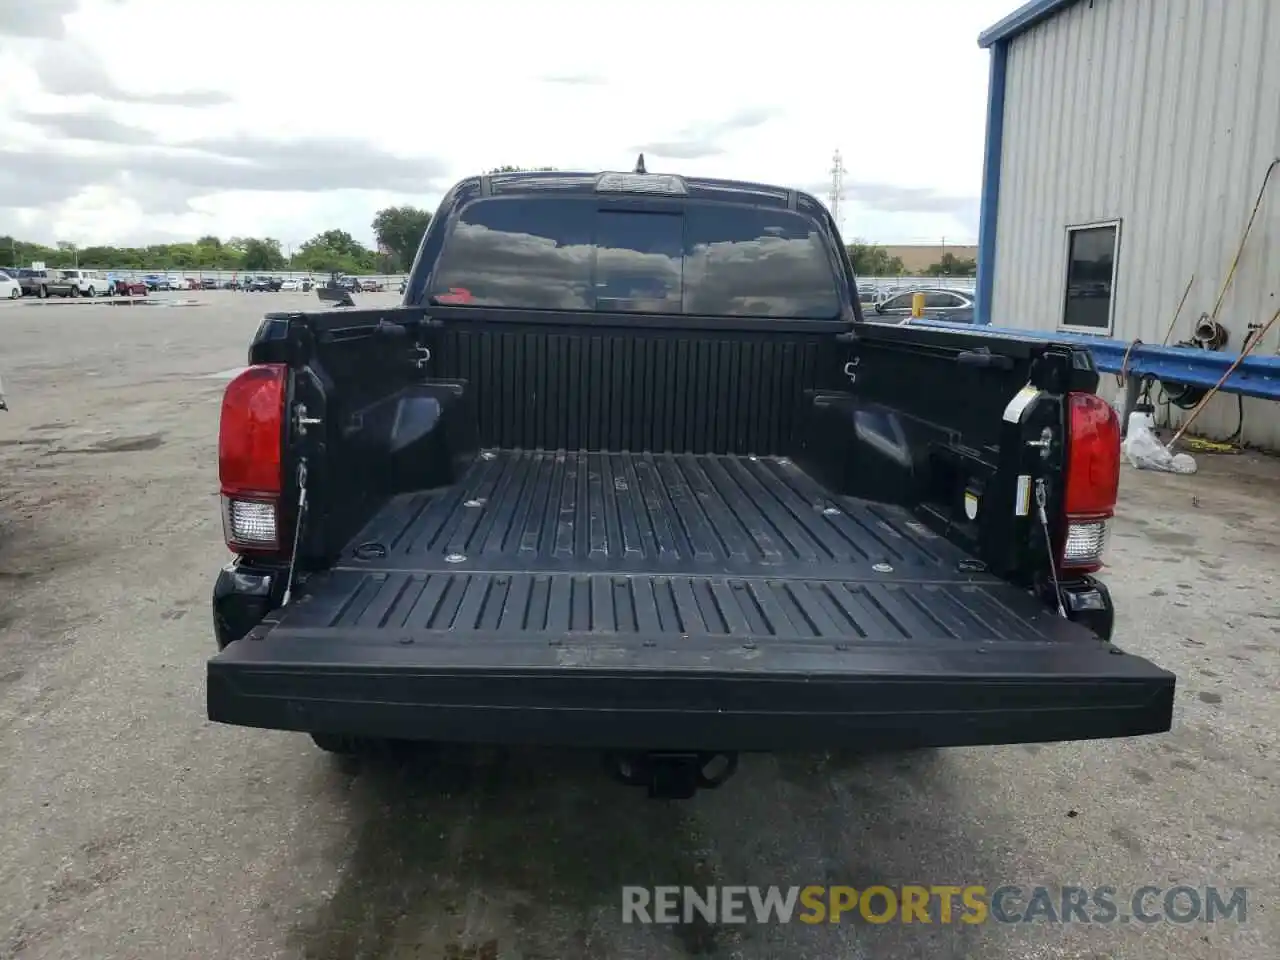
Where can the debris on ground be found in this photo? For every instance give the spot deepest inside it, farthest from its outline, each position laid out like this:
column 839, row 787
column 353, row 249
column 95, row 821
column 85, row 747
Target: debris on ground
column 1143, row 449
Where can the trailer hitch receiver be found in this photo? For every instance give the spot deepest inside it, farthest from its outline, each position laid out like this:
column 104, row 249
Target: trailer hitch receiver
column 672, row 776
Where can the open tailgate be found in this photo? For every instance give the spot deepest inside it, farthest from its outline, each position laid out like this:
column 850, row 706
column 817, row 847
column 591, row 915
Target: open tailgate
column 329, row 666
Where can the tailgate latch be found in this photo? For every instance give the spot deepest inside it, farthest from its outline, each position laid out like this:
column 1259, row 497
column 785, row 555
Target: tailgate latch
column 301, row 421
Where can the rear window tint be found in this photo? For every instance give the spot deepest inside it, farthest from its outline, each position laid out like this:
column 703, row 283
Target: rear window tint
column 708, row 259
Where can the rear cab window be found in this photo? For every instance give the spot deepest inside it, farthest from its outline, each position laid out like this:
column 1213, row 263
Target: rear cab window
column 700, row 258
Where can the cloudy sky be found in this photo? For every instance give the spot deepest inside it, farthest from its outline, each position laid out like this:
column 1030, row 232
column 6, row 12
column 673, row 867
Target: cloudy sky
column 126, row 121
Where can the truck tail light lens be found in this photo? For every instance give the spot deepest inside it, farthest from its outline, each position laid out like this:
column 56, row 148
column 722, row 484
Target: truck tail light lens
column 1092, row 482
column 250, row 437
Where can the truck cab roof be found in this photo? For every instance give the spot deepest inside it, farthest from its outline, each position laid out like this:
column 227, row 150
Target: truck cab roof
column 585, row 183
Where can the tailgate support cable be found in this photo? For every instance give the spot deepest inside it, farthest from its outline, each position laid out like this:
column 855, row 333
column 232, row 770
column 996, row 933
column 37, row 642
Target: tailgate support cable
column 297, row 530
column 1042, row 498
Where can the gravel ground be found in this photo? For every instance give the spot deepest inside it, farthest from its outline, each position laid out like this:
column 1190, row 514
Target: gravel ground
column 134, row 828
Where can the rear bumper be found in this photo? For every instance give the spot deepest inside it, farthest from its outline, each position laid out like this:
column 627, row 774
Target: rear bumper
column 701, row 695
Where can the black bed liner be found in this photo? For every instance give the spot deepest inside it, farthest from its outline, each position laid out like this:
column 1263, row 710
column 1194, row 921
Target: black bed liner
column 709, row 601
column 714, row 545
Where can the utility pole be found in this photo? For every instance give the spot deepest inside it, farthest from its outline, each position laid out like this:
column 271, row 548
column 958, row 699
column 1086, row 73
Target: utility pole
column 837, row 189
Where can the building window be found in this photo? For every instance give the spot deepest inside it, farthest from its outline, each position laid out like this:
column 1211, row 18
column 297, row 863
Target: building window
column 1091, row 271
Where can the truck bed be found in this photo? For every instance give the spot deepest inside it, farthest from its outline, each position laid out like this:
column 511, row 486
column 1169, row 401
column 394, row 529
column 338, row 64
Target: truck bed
column 691, row 601
column 686, row 545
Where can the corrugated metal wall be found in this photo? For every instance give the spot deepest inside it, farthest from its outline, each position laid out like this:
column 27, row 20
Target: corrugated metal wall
column 1163, row 114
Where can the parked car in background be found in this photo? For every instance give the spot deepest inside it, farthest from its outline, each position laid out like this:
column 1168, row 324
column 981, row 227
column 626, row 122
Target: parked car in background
column 404, row 282
column 35, row 283
column 369, row 285
column 938, row 305
column 10, row 288
column 129, row 287
column 77, row 283
column 263, row 284
column 209, row 283
column 303, row 284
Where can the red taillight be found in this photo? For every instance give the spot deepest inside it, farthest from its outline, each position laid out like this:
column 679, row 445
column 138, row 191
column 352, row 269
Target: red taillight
column 1092, row 481
column 250, row 435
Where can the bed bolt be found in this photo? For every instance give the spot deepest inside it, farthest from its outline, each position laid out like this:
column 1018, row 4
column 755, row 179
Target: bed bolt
column 406, row 640
column 454, row 558
column 477, row 502
column 842, row 647
column 882, row 568
column 831, row 512
column 651, row 643
column 749, row 645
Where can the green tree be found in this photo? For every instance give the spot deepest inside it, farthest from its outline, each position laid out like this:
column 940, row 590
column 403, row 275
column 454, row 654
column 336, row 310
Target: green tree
column 254, row 254
column 335, row 250
column 184, row 256
column 949, row 265
column 98, row 257
column 262, row 254
column 400, row 230
column 871, row 260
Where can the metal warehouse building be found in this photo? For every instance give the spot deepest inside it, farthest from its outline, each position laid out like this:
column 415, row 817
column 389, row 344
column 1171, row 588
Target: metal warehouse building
column 1126, row 144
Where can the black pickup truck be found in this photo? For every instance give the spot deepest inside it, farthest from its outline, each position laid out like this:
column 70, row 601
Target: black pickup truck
column 628, row 470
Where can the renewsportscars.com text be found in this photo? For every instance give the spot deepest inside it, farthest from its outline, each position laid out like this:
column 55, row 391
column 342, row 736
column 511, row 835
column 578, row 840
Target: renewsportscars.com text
column 938, row 903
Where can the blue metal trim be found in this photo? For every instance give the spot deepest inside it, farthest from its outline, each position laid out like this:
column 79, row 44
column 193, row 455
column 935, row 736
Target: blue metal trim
column 990, row 203
column 1257, row 376
column 1021, row 20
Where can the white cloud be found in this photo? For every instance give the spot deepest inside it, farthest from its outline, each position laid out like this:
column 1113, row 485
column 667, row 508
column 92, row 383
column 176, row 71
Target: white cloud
column 146, row 118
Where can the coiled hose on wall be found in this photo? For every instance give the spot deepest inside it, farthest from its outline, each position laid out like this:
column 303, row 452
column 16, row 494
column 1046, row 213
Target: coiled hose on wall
column 1209, row 335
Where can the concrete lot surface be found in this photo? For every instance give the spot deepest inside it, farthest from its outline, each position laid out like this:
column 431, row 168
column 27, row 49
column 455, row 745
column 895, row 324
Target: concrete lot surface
column 133, row 828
